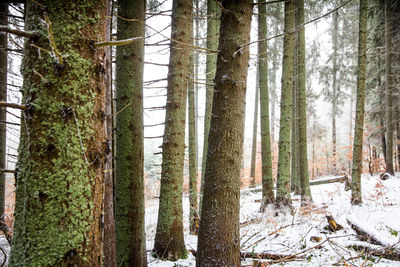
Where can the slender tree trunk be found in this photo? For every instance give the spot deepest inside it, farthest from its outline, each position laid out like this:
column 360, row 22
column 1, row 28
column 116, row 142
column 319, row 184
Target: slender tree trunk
column 398, row 142
column 283, row 177
column 302, row 123
column 295, row 172
column 254, row 140
column 219, row 238
column 356, row 195
column 211, row 66
column 3, row 97
column 389, row 88
column 110, row 253
column 267, row 179
column 169, row 242
column 129, row 186
column 193, row 214
column 64, row 141
column 334, row 88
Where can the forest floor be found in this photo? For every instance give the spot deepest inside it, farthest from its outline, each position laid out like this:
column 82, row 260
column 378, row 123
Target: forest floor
column 302, row 230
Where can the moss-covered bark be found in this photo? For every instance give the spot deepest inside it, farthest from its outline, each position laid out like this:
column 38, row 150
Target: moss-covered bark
column 3, row 97
column 213, row 12
column 129, row 183
column 169, row 242
column 64, row 142
column 356, row 196
column 266, row 159
column 193, row 201
column 302, row 123
column 219, row 238
column 389, row 87
column 283, row 177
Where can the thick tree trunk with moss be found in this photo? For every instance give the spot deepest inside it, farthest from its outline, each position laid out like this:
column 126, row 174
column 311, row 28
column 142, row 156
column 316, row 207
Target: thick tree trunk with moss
column 3, row 97
column 169, row 242
column 389, row 88
column 283, row 177
column 129, row 183
column 266, row 159
column 356, row 196
column 193, row 203
column 305, row 191
column 64, row 142
column 219, row 238
column 254, row 140
column 213, row 13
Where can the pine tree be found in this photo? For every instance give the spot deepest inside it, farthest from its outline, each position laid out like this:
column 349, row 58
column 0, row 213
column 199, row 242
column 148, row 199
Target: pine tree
column 3, row 97
column 389, row 88
column 169, row 242
column 267, row 179
column 129, row 181
column 254, row 139
column 301, row 103
column 219, row 238
column 64, row 141
column 356, row 196
column 283, row 177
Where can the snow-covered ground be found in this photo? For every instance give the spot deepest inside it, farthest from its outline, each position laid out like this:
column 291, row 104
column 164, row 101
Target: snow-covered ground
column 289, row 232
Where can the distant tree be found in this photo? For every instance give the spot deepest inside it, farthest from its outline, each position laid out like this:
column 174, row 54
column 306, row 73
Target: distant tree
column 3, row 97
column 254, row 139
column 219, row 237
column 213, row 13
column 193, row 201
column 64, row 142
column 389, row 87
column 283, row 177
column 129, row 181
column 266, row 159
column 356, row 196
column 169, row 242
column 301, row 103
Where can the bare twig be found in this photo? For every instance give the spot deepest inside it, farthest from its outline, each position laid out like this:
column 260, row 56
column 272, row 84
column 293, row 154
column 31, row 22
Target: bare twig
column 12, row 105
column 25, row 34
column 117, row 42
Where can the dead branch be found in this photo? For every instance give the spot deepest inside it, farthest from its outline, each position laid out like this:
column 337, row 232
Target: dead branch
column 10, row 123
column 330, row 180
column 6, row 171
column 117, row 42
column 390, row 253
column 25, row 34
column 12, row 105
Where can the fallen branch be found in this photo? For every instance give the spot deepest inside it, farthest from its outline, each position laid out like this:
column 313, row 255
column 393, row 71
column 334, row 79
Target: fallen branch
column 390, row 253
column 369, row 234
column 329, row 180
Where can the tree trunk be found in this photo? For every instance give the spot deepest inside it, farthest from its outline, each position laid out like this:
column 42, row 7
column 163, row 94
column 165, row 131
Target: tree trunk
column 64, row 142
column 254, row 140
column 213, row 13
column 169, row 242
column 334, row 88
column 3, row 97
column 266, row 159
column 129, row 186
column 219, row 238
column 193, row 214
column 356, row 195
column 283, row 177
column 302, row 123
column 389, row 88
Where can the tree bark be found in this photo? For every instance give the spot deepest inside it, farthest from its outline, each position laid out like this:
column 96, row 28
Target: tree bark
column 219, row 238
column 283, row 177
column 266, row 159
column 389, row 88
column 213, row 13
column 356, row 194
column 64, row 141
column 129, row 182
column 305, row 191
column 169, row 242
column 193, row 214
column 3, row 97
